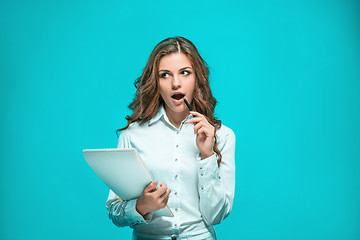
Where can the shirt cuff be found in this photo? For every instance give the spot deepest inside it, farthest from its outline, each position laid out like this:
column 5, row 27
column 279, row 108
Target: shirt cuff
column 133, row 215
column 207, row 164
column 208, row 171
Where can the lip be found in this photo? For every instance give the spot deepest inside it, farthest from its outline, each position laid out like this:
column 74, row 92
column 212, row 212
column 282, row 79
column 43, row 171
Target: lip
column 180, row 101
column 177, row 93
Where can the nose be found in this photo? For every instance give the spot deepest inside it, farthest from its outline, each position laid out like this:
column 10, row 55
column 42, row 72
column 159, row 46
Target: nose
column 176, row 82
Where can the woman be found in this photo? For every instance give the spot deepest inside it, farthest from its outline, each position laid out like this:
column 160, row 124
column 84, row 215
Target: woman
column 189, row 152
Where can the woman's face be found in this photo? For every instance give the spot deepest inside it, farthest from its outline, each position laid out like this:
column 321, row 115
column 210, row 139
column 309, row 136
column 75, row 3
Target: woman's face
column 176, row 81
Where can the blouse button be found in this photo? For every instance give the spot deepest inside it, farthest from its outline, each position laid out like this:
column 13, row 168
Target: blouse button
column 176, row 159
column 176, row 176
column 177, row 145
column 175, row 193
column 202, row 188
column 201, row 174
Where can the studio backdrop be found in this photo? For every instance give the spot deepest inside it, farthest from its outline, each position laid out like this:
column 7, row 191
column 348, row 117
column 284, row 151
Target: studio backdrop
column 286, row 75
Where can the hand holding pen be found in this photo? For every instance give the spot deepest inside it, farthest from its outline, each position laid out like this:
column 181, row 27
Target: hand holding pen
column 205, row 133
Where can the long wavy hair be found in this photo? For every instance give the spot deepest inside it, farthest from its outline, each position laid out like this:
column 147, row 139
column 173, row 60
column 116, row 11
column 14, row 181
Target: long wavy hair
column 147, row 97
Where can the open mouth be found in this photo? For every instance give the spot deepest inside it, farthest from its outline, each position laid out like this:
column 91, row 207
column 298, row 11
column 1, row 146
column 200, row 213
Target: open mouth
column 177, row 96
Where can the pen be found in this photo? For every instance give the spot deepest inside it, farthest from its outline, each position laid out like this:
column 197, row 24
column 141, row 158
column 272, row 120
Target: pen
column 187, row 104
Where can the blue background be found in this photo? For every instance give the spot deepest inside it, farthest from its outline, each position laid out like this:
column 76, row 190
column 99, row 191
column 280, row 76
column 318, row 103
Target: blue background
column 286, row 76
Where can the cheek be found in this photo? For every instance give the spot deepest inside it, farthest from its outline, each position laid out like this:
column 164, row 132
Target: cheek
column 192, row 86
column 162, row 89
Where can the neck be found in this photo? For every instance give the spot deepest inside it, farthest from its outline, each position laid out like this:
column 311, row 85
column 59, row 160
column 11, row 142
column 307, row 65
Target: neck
column 176, row 118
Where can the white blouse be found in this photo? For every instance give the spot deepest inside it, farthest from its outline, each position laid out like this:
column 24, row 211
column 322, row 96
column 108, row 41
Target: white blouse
column 201, row 192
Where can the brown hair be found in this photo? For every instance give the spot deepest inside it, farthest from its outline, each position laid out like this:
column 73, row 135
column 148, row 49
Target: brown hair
column 147, row 97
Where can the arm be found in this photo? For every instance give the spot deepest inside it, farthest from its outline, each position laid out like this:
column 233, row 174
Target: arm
column 217, row 184
column 136, row 211
column 123, row 213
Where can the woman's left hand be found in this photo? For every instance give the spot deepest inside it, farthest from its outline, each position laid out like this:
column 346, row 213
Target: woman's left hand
column 205, row 133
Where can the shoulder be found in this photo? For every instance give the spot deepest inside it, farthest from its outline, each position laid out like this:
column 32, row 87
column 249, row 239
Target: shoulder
column 224, row 132
column 225, row 137
column 133, row 128
column 131, row 134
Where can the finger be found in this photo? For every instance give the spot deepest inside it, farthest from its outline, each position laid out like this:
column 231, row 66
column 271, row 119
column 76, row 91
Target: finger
column 208, row 129
column 201, row 134
column 166, row 201
column 162, row 202
column 166, row 194
column 201, row 131
column 167, row 190
column 196, row 114
column 198, row 126
column 206, row 119
column 160, row 191
column 151, row 186
column 204, row 131
column 194, row 120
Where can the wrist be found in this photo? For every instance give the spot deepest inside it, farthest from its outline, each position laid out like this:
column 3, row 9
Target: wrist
column 206, row 155
column 139, row 209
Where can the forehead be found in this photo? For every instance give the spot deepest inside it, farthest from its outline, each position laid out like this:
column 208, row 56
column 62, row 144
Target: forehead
column 174, row 61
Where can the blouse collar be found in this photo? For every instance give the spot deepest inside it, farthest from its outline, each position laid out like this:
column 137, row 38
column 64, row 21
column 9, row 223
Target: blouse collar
column 161, row 114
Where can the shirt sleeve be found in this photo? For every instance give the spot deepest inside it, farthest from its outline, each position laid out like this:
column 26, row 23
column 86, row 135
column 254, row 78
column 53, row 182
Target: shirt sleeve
column 217, row 184
column 123, row 213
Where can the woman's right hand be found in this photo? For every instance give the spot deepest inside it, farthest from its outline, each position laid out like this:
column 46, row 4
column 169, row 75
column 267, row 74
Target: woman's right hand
column 152, row 199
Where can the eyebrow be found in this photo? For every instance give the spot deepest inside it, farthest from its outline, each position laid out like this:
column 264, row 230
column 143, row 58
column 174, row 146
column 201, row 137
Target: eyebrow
column 164, row 70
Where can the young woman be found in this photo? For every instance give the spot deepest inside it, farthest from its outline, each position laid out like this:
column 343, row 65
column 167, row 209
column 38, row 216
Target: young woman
column 190, row 153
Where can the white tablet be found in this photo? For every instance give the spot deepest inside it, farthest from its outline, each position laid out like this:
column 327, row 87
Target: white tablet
column 123, row 172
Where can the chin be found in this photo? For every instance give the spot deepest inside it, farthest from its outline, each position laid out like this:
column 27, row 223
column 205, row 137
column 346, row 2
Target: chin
column 176, row 108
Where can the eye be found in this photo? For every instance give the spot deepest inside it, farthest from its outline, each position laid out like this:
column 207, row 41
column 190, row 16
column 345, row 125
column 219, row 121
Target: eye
column 164, row 75
column 185, row 73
